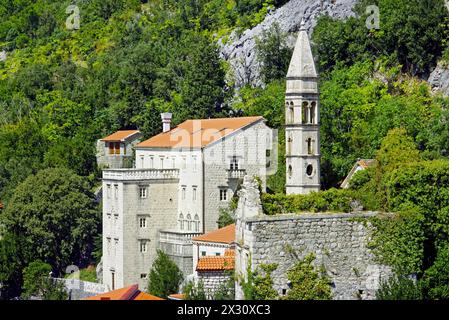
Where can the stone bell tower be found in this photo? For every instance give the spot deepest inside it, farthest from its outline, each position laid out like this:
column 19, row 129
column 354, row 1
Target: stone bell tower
column 302, row 118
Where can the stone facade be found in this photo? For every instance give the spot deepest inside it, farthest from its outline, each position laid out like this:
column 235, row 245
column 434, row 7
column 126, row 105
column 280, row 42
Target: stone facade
column 339, row 242
column 132, row 220
column 302, row 129
column 125, row 159
column 212, row 280
column 184, row 191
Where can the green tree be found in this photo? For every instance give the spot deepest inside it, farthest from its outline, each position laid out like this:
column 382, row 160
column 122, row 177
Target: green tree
column 258, row 284
column 195, row 291
column 37, row 282
column 273, row 54
column 165, row 276
column 307, row 283
column 399, row 288
column 55, row 212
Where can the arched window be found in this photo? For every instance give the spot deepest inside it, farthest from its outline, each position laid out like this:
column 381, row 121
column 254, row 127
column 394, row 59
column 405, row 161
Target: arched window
column 305, row 112
column 189, row 222
column 181, row 221
column 309, row 146
column 313, row 112
column 289, row 145
column 290, row 171
column 197, row 223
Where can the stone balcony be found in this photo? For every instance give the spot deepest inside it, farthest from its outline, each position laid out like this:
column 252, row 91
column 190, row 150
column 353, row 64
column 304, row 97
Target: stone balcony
column 177, row 236
column 236, row 173
column 140, row 174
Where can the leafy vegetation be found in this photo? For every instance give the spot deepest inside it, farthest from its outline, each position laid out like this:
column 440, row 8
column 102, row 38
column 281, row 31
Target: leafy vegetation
column 165, row 276
column 258, row 284
column 37, row 282
column 308, row 283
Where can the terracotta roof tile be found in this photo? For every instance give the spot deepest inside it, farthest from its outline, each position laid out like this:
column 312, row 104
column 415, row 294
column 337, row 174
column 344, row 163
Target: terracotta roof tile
column 223, row 235
column 120, row 135
column 197, row 133
column 215, row 263
column 176, row 296
column 127, row 293
column 146, row 296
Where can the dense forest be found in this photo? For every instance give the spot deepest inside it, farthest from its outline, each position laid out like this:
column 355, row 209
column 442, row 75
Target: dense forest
column 63, row 88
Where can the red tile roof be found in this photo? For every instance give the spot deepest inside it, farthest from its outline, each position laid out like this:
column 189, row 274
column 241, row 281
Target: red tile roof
column 176, row 296
column 217, row 263
column 120, row 135
column 223, row 235
column 197, row 133
column 127, row 293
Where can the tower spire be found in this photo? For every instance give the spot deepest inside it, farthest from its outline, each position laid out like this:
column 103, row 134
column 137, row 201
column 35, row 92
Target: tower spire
column 302, row 129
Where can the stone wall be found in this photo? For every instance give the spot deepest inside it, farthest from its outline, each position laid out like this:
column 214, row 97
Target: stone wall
column 339, row 242
column 212, row 281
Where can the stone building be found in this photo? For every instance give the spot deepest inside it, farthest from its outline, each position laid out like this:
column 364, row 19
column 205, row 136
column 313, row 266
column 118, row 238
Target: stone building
column 213, row 258
column 117, row 150
column 302, row 118
column 360, row 165
column 338, row 240
column 182, row 178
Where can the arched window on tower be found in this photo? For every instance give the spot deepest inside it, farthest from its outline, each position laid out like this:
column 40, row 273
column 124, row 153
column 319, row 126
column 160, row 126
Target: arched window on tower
column 305, row 112
column 313, row 112
column 289, row 145
column 290, row 171
column 292, row 113
column 309, row 146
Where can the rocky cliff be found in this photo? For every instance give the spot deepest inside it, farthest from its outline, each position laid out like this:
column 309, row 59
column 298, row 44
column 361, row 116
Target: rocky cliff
column 239, row 50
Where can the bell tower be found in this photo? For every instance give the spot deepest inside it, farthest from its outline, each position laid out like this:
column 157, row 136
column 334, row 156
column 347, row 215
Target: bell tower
column 302, row 119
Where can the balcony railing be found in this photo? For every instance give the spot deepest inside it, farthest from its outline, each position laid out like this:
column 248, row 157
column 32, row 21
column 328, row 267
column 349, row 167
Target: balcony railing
column 236, row 173
column 140, row 174
column 177, row 236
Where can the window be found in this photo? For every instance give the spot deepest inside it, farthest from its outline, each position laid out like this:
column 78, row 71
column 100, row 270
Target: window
column 108, row 191
column 223, row 194
column 234, row 163
column 203, row 253
column 194, row 194
column 217, row 254
column 116, row 191
column 143, row 192
column 151, row 162
column 305, row 111
column 142, row 161
column 309, row 146
column 312, row 112
column 114, row 147
column 309, row 170
column 189, row 222
column 197, row 223
column 183, row 193
column 292, row 114
column 289, row 145
column 194, row 164
column 184, row 162
column 290, row 171
column 143, row 222
column 143, row 246
column 143, row 276
column 113, row 280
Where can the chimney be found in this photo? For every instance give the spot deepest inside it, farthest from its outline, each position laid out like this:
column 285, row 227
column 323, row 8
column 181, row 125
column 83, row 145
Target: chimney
column 166, row 121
